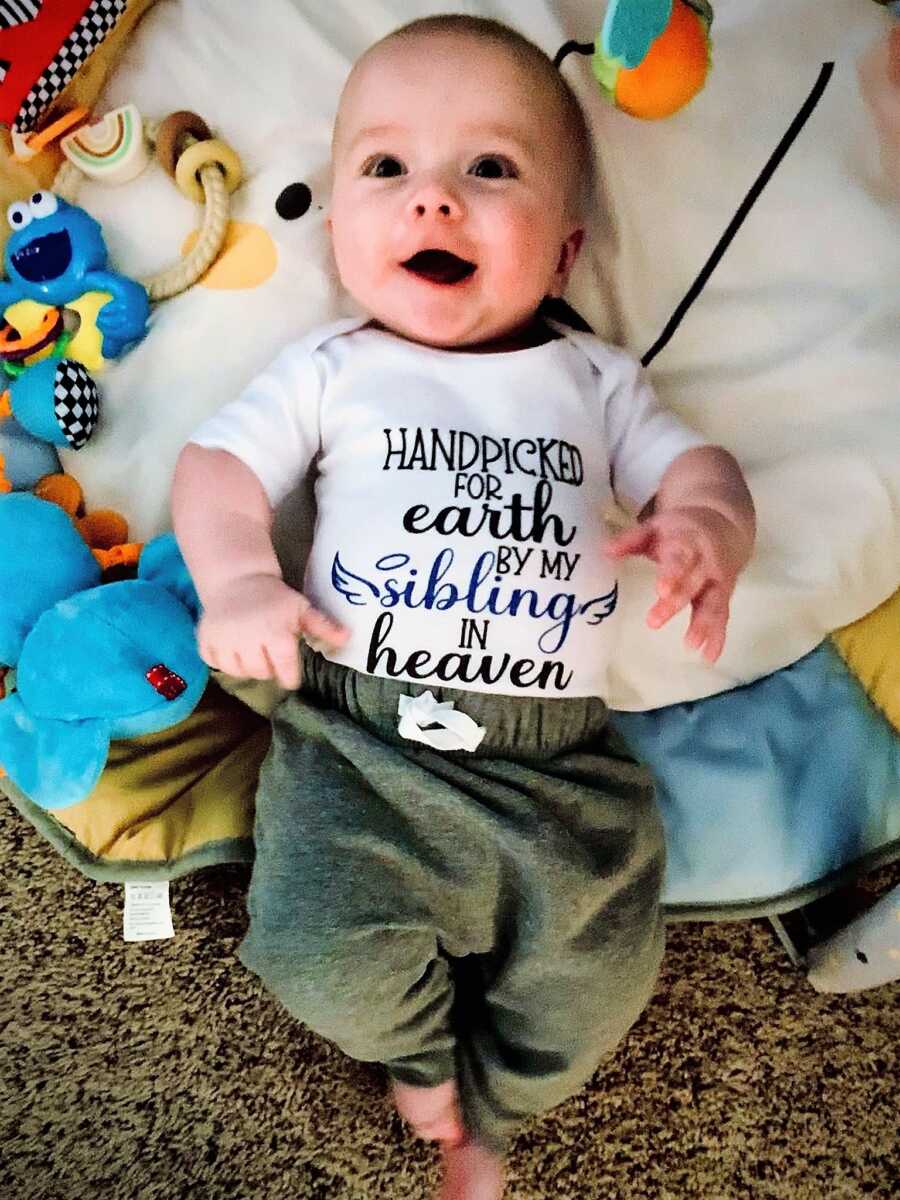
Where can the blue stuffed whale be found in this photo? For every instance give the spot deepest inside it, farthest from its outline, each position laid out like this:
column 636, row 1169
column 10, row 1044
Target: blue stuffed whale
column 92, row 662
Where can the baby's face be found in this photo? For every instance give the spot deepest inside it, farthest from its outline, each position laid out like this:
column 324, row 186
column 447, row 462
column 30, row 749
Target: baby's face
column 450, row 217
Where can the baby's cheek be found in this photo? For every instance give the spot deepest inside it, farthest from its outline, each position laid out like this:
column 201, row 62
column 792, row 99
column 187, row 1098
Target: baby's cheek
column 352, row 254
column 526, row 265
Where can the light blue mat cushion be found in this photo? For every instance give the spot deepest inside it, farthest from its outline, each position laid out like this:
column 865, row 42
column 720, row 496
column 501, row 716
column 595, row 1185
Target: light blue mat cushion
column 771, row 788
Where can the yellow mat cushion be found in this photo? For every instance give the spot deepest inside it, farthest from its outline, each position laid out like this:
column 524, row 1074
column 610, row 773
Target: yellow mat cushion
column 166, row 795
column 871, row 649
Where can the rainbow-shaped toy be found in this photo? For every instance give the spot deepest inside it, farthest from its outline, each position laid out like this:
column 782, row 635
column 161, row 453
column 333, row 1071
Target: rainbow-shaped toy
column 113, row 149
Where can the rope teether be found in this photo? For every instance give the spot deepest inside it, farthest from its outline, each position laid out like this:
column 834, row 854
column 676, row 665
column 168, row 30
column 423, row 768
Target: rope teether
column 211, row 153
column 205, row 169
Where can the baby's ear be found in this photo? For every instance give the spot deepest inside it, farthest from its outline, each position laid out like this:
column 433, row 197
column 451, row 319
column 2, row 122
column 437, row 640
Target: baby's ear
column 567, row 255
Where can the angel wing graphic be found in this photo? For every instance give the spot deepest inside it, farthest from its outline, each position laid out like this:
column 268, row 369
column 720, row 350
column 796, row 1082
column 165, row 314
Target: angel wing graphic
column 349, row 585
column 605, row 606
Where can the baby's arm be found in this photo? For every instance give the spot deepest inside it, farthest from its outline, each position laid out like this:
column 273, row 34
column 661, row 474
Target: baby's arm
column 251, row 618
column 699, row 529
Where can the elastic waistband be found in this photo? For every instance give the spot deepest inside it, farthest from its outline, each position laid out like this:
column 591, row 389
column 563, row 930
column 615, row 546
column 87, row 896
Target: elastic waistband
column 517, row 727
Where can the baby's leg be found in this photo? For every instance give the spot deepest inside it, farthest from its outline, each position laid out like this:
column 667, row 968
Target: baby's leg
column 349, row 886
column 340, row 929
column 581, row 952
column 433, row 1112
column 471, row 1172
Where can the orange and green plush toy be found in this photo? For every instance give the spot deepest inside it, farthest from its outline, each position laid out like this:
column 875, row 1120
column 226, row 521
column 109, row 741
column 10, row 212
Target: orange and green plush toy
column 652, row 56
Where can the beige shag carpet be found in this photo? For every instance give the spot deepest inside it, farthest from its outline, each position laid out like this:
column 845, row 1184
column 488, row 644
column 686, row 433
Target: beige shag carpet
column 161, row 1070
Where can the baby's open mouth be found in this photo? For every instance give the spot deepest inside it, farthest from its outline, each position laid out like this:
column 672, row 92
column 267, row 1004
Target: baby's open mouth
column 439, row 266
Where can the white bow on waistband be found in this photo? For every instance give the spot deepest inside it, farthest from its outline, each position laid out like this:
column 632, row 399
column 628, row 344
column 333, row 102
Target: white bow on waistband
column 457, row 732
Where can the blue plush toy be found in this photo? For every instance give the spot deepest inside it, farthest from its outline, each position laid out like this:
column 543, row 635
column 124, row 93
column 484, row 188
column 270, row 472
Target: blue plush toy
column 55, row 254
column 91, row 662
column 66, row 314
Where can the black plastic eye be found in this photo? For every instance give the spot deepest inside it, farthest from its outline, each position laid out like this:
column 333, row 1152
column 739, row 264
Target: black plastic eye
column 293, row 201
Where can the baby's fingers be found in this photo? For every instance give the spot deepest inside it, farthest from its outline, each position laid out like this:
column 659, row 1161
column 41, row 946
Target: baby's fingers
column 319, row 631
column 640, row 539
column 709, row 620
column 229, row 661
column 283, row 664
column 208, row 653
column 678, row 582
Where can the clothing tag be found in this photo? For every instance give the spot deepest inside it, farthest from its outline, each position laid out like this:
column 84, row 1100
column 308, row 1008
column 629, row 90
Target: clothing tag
column 147, row 917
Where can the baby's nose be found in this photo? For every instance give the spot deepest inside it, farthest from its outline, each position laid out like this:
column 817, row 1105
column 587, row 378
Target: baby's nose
column 436, row 199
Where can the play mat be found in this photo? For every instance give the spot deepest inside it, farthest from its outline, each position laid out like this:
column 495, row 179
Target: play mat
column 779, row 767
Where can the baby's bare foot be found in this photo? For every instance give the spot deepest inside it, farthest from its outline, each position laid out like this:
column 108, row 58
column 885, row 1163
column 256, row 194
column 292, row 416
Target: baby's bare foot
column 433, row 1112
column 471, row 1172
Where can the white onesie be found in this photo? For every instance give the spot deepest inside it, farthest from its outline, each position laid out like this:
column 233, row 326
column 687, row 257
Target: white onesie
column 460, row 497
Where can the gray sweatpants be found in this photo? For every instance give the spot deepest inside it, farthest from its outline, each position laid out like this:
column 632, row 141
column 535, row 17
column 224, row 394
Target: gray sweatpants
column 489, row 915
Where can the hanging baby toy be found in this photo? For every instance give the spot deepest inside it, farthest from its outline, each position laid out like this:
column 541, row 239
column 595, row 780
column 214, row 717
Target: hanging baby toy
column 56, row 263
column 651, row 56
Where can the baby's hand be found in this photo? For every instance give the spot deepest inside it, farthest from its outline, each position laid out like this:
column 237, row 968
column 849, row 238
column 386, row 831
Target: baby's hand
column 251, row 628
column 699, row 554
column 879, row 81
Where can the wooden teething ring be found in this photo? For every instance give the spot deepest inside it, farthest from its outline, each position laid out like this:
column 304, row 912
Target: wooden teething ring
column 212, row 176
column 211, row 153
column 175, row 134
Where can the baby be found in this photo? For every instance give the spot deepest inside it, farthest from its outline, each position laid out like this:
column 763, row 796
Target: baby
column 458, row 865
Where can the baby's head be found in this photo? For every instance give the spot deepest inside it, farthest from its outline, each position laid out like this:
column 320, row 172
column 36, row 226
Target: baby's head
column 461, row 166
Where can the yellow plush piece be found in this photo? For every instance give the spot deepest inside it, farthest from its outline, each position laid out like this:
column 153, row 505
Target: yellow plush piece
column 173, row 797
column 871, row 649
column 26, row 316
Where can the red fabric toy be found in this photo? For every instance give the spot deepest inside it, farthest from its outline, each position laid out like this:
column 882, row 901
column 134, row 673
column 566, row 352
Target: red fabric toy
column 42, row 49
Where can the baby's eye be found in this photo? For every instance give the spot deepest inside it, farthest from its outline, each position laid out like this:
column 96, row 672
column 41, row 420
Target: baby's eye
column 383, row 166
column 494, row 166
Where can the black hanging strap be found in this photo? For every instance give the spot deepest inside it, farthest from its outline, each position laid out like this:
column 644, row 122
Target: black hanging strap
column 738, row 219
column 568, row 48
